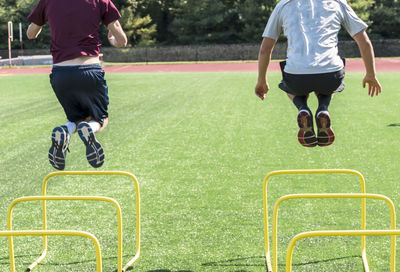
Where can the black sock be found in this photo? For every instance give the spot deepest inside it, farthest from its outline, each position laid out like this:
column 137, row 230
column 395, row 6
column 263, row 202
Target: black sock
column 323, row 102
column 301, row 103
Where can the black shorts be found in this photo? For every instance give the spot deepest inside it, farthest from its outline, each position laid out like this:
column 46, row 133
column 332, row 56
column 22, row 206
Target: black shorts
column 82, row 91
column 303, row 84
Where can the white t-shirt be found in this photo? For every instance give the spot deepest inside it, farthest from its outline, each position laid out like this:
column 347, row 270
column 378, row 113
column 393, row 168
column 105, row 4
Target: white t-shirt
column 312, row 27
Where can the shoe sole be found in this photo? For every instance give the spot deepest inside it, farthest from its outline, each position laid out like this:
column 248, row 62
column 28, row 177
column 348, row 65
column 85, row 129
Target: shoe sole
column 94, row 150
column 306, row 134
column 325, row 136
column 56, row 155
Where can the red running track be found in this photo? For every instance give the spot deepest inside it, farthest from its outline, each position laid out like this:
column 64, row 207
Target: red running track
column 382, row 65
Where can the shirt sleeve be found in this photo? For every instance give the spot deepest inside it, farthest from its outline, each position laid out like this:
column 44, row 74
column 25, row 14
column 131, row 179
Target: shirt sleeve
column 38, row 14
column 110, row 13
column 351, row 22
column 274, row 26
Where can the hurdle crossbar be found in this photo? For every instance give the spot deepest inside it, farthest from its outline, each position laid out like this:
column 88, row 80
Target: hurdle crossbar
column 92, row 173
column 330, row 196
column 12, row 233
column 361, row 233
column 313, row 171
column 86, row 198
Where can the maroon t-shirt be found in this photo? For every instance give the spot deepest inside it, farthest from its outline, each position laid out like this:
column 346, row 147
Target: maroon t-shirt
column 74, row 25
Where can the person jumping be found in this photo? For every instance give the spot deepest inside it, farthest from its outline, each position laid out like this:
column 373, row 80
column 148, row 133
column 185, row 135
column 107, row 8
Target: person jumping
column 313, row 63
column 77, row 77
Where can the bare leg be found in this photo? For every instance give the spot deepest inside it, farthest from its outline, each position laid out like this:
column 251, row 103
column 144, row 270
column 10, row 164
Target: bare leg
column 105, row 123
column 291, row 96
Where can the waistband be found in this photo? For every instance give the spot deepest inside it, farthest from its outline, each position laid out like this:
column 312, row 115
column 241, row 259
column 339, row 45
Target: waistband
column 95, row 66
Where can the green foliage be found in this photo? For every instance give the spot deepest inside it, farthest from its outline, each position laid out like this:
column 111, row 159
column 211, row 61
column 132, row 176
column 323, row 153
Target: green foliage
column 207, row 21
column 254, row 14
column 138, row 27
column 362, row 8
column 386, row 20
column 139, row 30
column 162, row 13
column 16, row 11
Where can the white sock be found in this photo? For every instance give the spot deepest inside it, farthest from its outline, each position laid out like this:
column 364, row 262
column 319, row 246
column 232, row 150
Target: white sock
column 71, row 127
column 94, row 125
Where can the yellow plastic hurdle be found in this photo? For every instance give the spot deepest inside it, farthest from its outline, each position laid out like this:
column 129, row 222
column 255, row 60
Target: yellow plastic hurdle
column 43, row 198
column 12, row 233
column 361, row 233
column 331, row 195
column 313, row 171
column 75, row 173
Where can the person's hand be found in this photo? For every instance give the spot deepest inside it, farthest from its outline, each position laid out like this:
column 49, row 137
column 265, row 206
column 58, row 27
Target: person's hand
column 261, row 89
column 374, row 87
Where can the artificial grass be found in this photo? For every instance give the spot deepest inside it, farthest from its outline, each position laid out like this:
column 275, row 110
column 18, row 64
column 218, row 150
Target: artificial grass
column 200, row 145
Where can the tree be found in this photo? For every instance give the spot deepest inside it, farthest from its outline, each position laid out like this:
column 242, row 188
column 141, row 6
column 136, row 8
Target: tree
column 362, row 8
column 207, row 21
column 162, row 13
column 385, row 20
column 254, row 15
column 139, row 28
column 16, row 11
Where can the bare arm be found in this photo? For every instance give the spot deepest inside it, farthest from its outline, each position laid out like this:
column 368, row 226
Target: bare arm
column 116, row 34
column 368, row 56
column 33, row 31
column 264, row 58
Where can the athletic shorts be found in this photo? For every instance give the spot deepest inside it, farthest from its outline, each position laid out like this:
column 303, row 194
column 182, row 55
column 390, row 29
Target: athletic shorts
column 81, row 90
column 303, row 84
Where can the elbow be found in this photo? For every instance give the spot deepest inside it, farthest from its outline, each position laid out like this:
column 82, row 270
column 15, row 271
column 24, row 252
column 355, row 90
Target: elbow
column 33, row 33
column 123, row 42
column 265, row 52
column 266, row 47
column 30, row 36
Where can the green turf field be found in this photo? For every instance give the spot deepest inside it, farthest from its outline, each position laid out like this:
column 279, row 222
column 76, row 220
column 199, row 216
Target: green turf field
column 200, row 145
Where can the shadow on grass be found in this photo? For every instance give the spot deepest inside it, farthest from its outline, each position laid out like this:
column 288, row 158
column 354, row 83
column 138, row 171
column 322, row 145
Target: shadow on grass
column 3, row 259
column 3, row 262
column 324, row 261
column 394, row 125
column 243, row 261
column 260, row 261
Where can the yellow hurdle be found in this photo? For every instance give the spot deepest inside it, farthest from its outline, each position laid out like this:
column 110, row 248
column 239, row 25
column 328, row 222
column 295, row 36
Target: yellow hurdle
column 43, row 198
column 313, row 171
column 12, row 233
column 315, row 196
column 100, row 173
column 361, row 233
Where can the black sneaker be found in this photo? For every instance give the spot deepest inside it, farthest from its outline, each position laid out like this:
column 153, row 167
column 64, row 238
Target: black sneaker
column 306, row 134
column 59, row 146
column 94, row 150
column 325, row 136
